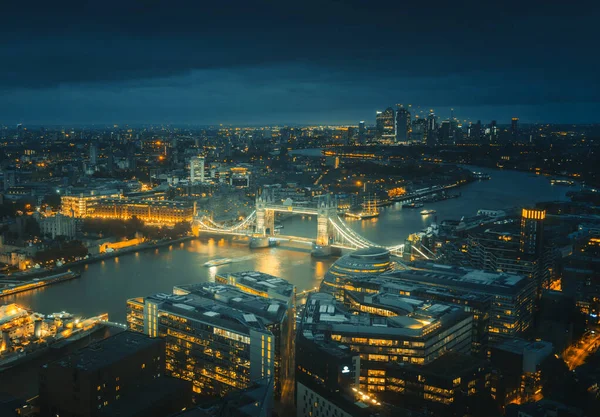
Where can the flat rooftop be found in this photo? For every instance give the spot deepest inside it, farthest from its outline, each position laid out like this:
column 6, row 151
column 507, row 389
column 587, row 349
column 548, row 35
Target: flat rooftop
column 223, row 305
column 461, row 278
column 260, row 281
column 106, row 352
column 324, row 313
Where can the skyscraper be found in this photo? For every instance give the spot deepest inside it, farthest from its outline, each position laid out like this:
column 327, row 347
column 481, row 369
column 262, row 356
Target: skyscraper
column 514, row 126
column 197, row 169
column 418, row 131
column 431, row 129
column 386, row 125
column 444, row 134
column 93, row 155
column 532, row 230
column 493, row 131
column 361, row 132
column 475, row 131
column 402, row 125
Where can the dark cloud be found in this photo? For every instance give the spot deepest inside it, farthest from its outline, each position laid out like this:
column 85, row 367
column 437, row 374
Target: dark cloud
column 304, row 54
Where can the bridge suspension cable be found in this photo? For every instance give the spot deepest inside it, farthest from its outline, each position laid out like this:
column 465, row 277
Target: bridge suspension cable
column 215, row 227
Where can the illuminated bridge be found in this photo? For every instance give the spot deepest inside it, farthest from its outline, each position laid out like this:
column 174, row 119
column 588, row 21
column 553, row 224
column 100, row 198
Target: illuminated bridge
column 332, row 231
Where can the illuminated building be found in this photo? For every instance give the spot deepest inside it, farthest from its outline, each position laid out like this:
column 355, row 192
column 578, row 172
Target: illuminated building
column 386, row 124
column 77, row 205
column 218, row 336
column 251, row 402
column 399, row 298
column 532, row 231
column 122, row 375
column 402, row 125
column 514, row 126
column 197, row 169
column 438, row 386
column 358, row 263
column 361, row 133
column 259, row 283
column 149, row 211
column 517, row 376
column 529, row 256
column 418, row 337
column 513, row 296
column 431, row 129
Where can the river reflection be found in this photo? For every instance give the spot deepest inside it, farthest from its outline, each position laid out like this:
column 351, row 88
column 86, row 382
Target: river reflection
column 105, row 286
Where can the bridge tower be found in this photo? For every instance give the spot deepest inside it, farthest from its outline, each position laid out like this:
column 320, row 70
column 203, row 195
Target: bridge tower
column 326, row 209
column 265, row 218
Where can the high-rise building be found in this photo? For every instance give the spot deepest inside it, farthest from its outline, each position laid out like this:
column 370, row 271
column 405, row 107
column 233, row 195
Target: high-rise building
column 361, row 132
column 444, row 135
column 475, row 131
column 197, row 169
column 217, row 336
column 386, row 125
column 532, row 231
column 514, row 126
column 93, row 155
column 418, row 132
column 403, row 125
column 493, row 131
column 431, row 129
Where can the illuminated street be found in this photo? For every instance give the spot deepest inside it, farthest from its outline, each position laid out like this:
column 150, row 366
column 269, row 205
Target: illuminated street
column 577, row 354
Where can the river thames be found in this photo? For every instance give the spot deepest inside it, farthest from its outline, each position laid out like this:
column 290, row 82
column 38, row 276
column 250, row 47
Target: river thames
column 105, row 286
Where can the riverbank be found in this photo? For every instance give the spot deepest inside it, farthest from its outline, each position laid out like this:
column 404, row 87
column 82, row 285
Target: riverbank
column 41, row 273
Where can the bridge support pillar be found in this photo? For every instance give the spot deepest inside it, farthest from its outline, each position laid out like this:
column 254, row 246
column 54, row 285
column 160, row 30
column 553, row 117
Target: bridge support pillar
column 327, row 209
column 265, row 221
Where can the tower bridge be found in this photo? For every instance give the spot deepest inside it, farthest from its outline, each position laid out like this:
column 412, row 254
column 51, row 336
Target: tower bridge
column 333, row 234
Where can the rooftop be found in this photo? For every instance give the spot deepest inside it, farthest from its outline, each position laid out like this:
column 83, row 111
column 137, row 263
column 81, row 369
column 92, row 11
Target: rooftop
column 259, row 281
column 106, row 352
column 222, row 305
column 324, row 313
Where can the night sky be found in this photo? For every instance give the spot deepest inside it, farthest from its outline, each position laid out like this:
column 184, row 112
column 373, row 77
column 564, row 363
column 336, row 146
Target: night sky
column 268, row 62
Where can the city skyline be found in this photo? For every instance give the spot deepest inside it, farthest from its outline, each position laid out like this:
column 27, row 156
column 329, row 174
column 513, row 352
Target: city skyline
column 322, row 63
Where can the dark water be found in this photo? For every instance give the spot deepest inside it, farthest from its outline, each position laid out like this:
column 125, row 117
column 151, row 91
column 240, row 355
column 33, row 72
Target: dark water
column 105, row 286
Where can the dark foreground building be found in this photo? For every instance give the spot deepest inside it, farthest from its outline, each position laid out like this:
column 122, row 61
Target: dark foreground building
column 122, row 376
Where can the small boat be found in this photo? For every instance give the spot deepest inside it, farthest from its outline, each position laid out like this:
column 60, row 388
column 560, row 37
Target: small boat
column 218, row 261
column 427, row 212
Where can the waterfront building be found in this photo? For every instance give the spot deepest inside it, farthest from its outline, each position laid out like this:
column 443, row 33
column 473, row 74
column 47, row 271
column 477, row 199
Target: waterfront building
column 418, row 337
column 356, row 264
column 160, row 212
column 110, row 378
column 78, row 205
column 217, row 336
column 58, row 225
column 197, row 169
column 260, row 283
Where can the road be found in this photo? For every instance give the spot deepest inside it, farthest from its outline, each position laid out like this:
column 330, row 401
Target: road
column 576, row 355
